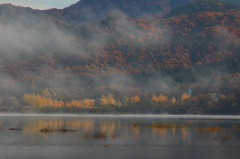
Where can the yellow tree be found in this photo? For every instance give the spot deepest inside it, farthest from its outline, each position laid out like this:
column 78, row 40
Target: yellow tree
column 103, row 100
column 88, row 103
column 38, row 100
column 44, row 101
column 154, row 98
column 78, row 103
column 110, row 99
column 60, row 103
column 49, row 102
column 173, row 100
column 160, row 98
column 184, row 96
column 73, row 103
column 28, row 99
column 136, row 99
column 55, row 103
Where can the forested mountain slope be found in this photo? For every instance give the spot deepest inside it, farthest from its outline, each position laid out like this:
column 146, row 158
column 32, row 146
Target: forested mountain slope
column 88, row 11
column 202, row 6
column 121, row 56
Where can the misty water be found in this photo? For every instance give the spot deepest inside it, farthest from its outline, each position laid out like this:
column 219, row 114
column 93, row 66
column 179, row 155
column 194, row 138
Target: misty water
column 122, row 140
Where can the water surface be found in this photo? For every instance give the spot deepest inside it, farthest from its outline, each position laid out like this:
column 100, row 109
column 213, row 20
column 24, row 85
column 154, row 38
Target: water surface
column 123, row 140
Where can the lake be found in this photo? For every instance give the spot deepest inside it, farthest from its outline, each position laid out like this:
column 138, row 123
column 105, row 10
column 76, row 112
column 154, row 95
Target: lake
column 115, row 137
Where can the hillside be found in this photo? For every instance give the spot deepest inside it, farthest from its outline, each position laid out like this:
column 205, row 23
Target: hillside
column 88, row 11
column 202, row 6
column 120, row 56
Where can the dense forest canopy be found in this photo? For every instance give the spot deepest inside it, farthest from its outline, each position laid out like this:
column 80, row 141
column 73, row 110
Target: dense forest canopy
column 202, row 6
column 88, row 11
column 184, row 62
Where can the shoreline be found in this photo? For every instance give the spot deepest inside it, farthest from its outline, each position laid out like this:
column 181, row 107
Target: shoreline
column 134, row 116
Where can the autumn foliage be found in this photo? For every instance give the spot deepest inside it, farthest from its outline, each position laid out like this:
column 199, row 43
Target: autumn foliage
column 184, row 96
column 108, row 100
column 160, row 98
column 41, row 101
column 133, row 63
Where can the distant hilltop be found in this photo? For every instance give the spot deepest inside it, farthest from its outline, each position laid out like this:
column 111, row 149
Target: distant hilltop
column 88, row 11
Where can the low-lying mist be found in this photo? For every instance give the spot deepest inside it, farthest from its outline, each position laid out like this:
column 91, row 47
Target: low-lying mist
column 39, row 52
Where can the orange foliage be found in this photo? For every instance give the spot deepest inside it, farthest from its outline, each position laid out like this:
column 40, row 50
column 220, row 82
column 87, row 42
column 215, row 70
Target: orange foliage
column 108, row 100
column 136, row 99
column 41, row 101
column 160, row 98
column 173, row 100
column 103, row 100
column 222, row 96
column 88, row 103
column 132, row 99
column 184, row 96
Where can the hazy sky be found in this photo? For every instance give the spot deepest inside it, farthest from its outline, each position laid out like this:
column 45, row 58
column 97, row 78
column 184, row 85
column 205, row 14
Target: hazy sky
column 41, row 4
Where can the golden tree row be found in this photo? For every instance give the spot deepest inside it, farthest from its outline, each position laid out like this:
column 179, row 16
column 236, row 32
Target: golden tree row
column 164, row 98
column 41, row 101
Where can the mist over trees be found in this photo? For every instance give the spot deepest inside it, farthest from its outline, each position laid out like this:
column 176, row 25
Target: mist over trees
column 89, row 11
column 122, row 63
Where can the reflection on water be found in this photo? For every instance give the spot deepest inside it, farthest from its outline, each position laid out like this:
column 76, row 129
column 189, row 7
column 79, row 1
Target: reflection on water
column 136, row 131
column 107, row 127
column 122, row 139
column 34, row 126
column 184, row 133
column 160, row 132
